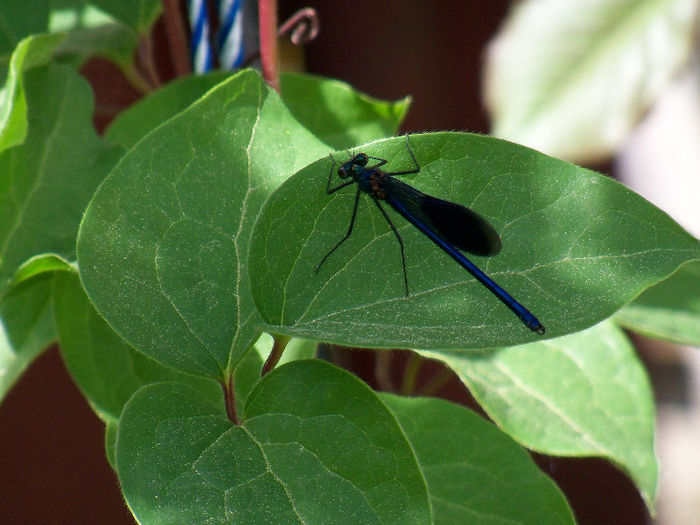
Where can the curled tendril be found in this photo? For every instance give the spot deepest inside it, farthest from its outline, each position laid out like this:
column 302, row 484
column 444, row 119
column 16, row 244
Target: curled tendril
column 302, row 25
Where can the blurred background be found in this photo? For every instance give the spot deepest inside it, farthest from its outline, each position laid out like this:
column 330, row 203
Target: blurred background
column 436, row 52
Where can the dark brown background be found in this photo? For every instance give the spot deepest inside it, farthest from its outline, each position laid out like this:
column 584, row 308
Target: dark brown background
column 52, row 464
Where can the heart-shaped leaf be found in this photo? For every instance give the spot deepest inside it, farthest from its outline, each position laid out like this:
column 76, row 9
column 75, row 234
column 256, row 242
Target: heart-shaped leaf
column 576, row 247
column 315, row 446
column 163, row 244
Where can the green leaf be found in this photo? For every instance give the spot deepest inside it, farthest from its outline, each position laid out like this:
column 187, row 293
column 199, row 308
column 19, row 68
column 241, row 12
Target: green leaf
column 163, row 244
column 137, row 14
column 668, row 310
column 138, row 120
column 180, row 460
column 331, row 110
column 111, row 427
column 474, row 472
column 586, row 394
column 46, row 182
column 31, row 52
column 576, row 247
column 573, row 78
column 114, row 42
column 336, row 113
column 107, row 370
column 19, row 19
column 26, row 327
column 44, row 263
column 71, row 15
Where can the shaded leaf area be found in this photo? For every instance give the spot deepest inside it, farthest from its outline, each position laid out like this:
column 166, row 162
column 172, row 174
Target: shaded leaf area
column 573, row 78
column 134, row 123
column 46, row 182
column 180, row 459
column 474, row 472
column 668, row 310
column 335, row 113
column 162, row 247
column 585, row 394
column 31, row 52
column 18, row 20
column 338, row 114
column 576, row 247
column 26, row 327
column 107, row 370
column 111, row 41
column 140, row 15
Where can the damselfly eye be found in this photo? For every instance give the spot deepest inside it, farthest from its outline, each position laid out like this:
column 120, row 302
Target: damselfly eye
column 343, row 172
column 361, row 159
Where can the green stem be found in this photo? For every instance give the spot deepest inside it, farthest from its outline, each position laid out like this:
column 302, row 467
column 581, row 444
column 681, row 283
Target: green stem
column 411, row 374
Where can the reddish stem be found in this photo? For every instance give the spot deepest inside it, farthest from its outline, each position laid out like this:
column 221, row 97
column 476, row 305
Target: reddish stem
column 230, row 399
column 269, row 56
column 280, row 343
column 177, row 38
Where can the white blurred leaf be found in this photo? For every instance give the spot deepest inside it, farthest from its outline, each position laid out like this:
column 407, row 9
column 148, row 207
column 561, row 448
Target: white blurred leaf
column 572, row 77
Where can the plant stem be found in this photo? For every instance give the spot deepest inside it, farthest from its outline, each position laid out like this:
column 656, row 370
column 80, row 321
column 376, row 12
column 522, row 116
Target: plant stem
column 435, row 383
column 145, row 54
column 230, row 399
column 411, row 374
column 177, row 38
column 280, row 343
column 382, row 370
column 269, row 56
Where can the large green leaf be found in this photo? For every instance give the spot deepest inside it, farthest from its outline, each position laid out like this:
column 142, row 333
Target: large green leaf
column 162, row 247
column 26, row 327
column 46, row 182
column 576, row 247
column 668, row 310
column 586, row 394
column 474, row 472
column 573, row 78
column 315, row 446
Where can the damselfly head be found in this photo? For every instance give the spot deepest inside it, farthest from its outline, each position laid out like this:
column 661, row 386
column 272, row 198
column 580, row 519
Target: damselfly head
column 356, row 163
